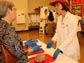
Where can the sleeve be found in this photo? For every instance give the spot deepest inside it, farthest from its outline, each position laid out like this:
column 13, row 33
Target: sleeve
column 11, row 40
column 2, row 30
column 72, row 28
column 15, row 45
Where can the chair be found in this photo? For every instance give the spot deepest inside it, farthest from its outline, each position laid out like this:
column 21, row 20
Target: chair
column 7, row 56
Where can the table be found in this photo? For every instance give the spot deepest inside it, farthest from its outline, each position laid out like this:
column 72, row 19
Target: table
column 60, row 59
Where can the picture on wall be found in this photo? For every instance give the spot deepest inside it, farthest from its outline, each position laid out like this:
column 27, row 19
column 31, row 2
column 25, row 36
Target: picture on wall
column 77, row 9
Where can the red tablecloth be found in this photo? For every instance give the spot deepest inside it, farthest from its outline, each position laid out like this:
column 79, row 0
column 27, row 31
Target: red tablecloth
column 33, row 53
column 48, row 59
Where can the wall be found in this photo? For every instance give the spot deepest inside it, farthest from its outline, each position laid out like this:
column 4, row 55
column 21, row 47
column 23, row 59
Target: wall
column 48, row 2
column 82, row 7
column 79, row 2
column 21, row 5
column 36, row 3
column 28, row 6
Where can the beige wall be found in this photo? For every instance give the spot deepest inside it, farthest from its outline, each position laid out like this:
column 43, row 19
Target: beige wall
column 28, row 6
column 21, row 5
column 32, row 4
column 47, row 4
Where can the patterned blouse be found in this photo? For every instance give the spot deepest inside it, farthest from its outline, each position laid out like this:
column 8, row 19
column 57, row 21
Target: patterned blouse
column 12, row 42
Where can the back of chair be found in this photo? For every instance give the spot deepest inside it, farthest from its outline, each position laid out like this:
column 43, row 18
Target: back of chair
column 7, row 56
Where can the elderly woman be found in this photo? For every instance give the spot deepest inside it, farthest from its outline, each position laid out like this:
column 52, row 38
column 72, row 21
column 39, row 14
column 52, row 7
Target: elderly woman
column 9, row 37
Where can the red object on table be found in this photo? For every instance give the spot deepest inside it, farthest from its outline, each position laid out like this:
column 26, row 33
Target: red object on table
column 38, row 52
column 48, row 59
column 25, row 47
column 33, row 53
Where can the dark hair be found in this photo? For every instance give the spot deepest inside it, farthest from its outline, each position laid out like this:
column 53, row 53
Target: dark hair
column 50, row 17
column 64, row 7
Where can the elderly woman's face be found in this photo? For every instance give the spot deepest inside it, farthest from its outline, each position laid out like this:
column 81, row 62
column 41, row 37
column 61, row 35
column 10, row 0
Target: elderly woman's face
column 12, row 13
column 58, row 8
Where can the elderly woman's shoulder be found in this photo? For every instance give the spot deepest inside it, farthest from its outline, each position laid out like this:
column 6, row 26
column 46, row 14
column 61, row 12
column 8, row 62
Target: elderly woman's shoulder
column 3, row 24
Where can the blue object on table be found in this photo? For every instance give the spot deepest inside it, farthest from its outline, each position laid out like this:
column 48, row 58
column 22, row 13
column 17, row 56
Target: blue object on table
column 36, row 48
column 50, row 43
column 28, row 43
column 56, row 53
column 31, row 43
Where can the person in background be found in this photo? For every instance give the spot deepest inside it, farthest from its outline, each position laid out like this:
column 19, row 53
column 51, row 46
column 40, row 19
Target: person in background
column 46, row 15
column 81, row 22
column 50, row 25
column 10, row 38
column 66, row 32
column 44, row 19
column 82, row 19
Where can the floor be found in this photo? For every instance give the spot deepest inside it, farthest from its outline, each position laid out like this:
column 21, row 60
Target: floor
column 34, row 34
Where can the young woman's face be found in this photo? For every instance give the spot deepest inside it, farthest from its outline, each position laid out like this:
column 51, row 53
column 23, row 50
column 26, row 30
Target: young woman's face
column 58, row 8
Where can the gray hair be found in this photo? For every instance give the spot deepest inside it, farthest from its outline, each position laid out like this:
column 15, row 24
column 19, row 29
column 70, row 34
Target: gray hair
column 4, row 5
